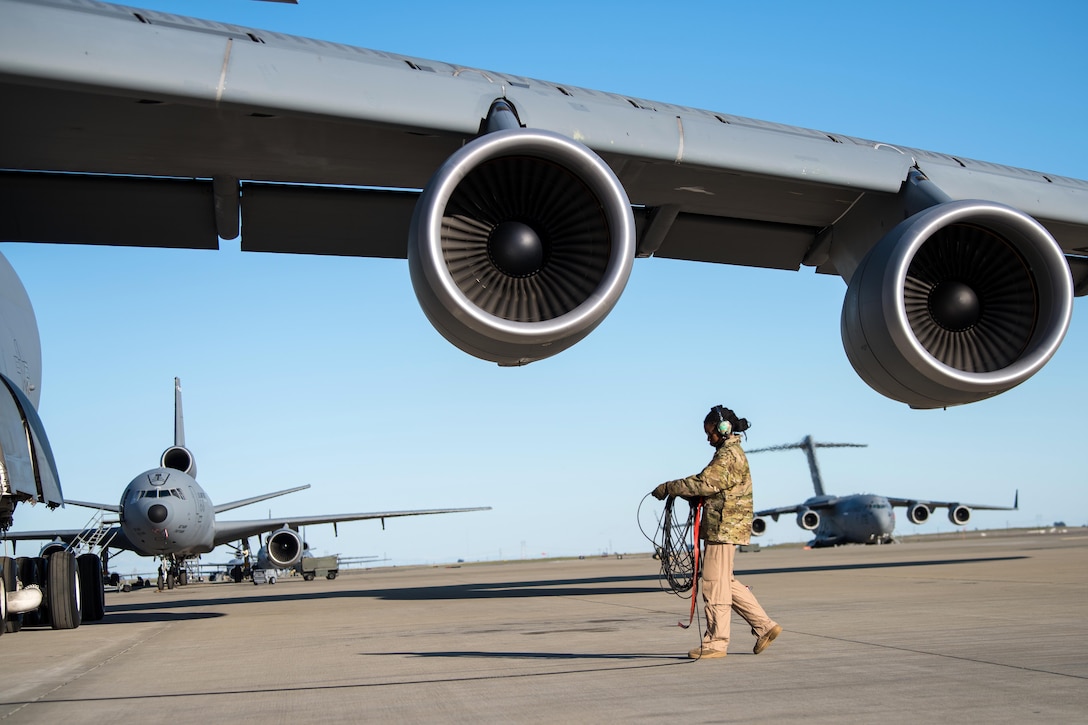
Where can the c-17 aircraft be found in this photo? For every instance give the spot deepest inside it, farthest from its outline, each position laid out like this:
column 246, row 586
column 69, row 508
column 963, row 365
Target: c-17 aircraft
column 165, row 513
column 859, row 518
column 520, row 204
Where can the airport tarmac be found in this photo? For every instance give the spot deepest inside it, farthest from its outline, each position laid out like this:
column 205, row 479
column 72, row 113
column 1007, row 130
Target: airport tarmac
column 979, row 629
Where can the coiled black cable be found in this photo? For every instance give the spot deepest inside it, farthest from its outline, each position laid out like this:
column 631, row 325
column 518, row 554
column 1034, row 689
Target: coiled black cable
column 674, row 545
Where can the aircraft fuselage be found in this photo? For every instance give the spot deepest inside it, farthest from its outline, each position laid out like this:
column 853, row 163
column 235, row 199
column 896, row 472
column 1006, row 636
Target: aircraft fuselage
column 165, row 512
column 856, row 519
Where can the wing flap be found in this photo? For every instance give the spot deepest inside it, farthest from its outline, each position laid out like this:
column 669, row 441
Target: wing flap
column 327, row 220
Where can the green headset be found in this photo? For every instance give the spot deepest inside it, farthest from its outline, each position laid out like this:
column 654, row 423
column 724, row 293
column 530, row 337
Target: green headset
column 727, row 422
column 724, row 427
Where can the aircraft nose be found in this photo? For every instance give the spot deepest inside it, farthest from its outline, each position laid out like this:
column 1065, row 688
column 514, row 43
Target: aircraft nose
column 157, row 513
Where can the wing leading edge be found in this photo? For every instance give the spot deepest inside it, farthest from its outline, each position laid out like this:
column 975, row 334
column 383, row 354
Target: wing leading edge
column 164, row 121
column 227, row 531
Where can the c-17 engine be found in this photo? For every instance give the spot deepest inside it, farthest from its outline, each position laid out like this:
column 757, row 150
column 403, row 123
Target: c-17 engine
column 524, row 239
column 520, row 245
column 960, row 302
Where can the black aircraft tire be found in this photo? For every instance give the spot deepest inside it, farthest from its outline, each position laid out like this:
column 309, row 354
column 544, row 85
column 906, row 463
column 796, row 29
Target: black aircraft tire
column 10, row 570
column 63, row 592
column 4, row 601
column 92, row 589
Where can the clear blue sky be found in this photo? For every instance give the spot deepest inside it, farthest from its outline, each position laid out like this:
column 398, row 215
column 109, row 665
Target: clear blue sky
column 325, row 371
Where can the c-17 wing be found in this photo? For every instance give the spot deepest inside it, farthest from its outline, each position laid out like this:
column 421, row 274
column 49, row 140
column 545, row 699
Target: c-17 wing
column 194, row 130
column 228, row 531
column 774, row 513
column 953, row 504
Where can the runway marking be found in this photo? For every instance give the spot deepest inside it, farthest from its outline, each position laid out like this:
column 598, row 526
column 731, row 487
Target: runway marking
column 42, row 698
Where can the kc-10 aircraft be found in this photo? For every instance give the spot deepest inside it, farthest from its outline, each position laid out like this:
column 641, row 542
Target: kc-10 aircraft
column 165, row 513
column 860, row 518
column 519, row 204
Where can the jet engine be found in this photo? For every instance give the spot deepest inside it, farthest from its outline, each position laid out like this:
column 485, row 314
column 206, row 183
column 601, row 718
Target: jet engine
column 179, row 458
column 808, row 519
column 49, row 548
column 520, row 245
column 959, row 514
column 958, row 303
column 284, row 547
column 759, row 526
column 917, row 513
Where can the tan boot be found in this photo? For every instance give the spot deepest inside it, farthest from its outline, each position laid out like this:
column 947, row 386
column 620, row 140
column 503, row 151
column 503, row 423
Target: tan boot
column 769, row 636
column 699, row 653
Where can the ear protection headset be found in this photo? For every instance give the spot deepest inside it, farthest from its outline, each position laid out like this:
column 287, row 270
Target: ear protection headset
column 724, row 427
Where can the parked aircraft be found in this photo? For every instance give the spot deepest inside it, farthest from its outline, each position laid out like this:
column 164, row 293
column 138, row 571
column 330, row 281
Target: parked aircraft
column 519, row 204
column 859, row 518
column 165, row 513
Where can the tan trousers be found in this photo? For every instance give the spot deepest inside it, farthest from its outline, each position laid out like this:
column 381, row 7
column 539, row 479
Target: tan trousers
column 721, row 592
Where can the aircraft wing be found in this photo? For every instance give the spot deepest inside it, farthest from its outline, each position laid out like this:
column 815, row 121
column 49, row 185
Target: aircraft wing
column 254, row 499
column 194, row 130
column 952, row 504
column 827, row 502
column 227, row 531
column 112, row 507
column 115, row 537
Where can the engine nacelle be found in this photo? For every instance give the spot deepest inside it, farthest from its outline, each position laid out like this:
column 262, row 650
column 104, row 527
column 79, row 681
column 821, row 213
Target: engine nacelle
column 808, row 519
column 520, row 245
column 958, row 303
column 959, row 514
column 51, row 547
column 759, row 526
column 284, row 548
column 918, row 513
column 179, row 458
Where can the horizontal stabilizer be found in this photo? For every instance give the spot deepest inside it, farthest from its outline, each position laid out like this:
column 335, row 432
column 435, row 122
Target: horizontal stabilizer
column 100, row 506
column 254, row 499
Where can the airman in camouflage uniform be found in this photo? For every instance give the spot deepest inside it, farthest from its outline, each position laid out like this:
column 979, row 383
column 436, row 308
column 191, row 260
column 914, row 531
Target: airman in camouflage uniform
column 725, row 486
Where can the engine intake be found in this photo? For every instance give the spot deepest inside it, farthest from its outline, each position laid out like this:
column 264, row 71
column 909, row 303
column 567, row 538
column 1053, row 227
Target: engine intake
column 808, row 519
column 918, row 513
column 179, row 458
column 520, row 245
column 284, row 548
column 759, row 526
column 959, row 514
column 960, row 302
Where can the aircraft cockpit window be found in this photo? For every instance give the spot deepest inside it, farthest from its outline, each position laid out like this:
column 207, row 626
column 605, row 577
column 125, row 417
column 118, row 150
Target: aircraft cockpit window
column 159, row 493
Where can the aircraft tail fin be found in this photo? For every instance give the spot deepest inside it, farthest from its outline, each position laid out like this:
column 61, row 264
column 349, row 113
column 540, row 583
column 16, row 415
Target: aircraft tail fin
column 179, row 418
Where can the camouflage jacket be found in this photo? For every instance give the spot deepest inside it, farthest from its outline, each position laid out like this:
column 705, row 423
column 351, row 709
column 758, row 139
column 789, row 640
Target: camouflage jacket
column 726, row 487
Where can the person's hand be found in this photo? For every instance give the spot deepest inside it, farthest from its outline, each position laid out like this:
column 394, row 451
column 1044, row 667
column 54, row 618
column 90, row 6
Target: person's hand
column 661, row 492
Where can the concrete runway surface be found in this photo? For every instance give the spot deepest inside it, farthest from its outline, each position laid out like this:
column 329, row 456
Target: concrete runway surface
column 974, row 629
